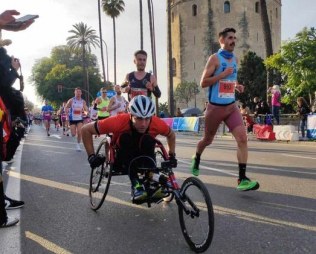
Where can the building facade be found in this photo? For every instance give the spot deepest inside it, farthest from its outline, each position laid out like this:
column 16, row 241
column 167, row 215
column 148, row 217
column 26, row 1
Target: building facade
column 195, row 25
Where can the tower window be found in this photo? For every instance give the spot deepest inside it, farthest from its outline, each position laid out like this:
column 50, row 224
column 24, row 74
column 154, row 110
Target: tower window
column 174, row 67
column 172, row 17
column 257, row 7
column 227, row 7
column 194, row 10
column 276, row 13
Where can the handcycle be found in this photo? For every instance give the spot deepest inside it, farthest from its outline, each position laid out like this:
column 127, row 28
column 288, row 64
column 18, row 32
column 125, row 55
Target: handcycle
column 195, row 207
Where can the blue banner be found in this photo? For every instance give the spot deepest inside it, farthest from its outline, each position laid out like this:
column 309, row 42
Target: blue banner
column 183, row 123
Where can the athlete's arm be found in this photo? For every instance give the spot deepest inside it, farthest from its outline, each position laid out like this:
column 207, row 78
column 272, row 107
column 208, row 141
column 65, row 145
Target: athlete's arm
column 85, row 108
column 68, row 105
column 87, row 132
column 208, row 78
column 125, row 87
column 239, row 87
column 110, row 106
column 171, row 141
column 155, row 89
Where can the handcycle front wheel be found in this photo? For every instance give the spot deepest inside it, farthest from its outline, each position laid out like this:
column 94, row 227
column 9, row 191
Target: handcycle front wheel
column 197, row 222
column 100, row 179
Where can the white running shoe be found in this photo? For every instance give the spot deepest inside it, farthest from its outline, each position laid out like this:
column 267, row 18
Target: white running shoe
column 78, row 148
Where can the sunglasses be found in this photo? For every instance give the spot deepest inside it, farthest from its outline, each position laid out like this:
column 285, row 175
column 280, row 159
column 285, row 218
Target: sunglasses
column 104, row 92
column 142, row 118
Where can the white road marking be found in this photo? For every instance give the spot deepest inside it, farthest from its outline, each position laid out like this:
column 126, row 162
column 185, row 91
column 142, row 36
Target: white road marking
column 298, row 156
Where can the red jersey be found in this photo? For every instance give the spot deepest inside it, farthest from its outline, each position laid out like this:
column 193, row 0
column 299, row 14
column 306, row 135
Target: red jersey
column 121, row 124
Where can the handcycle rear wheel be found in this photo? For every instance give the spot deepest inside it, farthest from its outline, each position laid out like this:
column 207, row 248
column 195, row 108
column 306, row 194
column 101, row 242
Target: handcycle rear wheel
column 197, row 224
column 100, row 179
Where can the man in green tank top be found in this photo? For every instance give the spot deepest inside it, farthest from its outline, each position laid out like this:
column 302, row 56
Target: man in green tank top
column 103, row 104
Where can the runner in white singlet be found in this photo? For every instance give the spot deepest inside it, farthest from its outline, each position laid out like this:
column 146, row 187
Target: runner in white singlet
column 75, row 107
column 117, row 103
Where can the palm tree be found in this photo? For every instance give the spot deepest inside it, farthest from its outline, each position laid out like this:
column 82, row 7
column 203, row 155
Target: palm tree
column 141, row 24
column 113, row 8
column 101, row 40
column 82, row 39
column 153, row 42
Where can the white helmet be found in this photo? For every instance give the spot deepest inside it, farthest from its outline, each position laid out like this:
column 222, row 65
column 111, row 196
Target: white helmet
column 142, row 106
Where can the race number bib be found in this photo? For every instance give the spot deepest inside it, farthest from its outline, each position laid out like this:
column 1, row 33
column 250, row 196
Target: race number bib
column 226, row 89
column 77, row 112
column 138, row 91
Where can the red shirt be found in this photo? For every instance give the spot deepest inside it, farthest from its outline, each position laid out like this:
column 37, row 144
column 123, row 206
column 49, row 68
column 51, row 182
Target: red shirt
column 121, row 124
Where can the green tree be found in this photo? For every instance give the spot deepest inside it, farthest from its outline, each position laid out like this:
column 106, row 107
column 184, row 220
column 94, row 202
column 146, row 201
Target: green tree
column 185, row 91
column 28, row 104
column 113, row 8
column 252, row 75
column 163, row 107
column 297, row 62
column 81, row 41
column 48, row 72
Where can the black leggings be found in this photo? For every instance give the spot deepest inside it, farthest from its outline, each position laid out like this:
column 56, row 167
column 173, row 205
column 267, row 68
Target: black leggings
column 130, row 147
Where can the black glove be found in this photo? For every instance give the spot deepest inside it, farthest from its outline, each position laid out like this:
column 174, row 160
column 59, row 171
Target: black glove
column 173, row 160
column 96, row 160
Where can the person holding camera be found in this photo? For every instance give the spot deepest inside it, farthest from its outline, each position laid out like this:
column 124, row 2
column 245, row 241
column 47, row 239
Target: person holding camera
column 8, row 74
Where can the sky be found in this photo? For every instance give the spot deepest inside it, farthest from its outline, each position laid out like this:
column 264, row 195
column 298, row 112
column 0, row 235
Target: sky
column 56, row 18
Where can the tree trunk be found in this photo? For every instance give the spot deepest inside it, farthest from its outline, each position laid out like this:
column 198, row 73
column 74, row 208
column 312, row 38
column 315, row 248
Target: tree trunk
column 114, row 33
column 101, row 40
column 85, row 76
column 171, row 99
column 141, row 24
column 153, row 46
column 267, row 37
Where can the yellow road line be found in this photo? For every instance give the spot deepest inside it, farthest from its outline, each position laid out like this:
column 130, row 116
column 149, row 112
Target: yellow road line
column 217, row 209
column 48, row 245
column 68, row 187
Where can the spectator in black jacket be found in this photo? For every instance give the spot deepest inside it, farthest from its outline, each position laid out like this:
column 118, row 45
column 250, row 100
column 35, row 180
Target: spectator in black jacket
column 302, row 110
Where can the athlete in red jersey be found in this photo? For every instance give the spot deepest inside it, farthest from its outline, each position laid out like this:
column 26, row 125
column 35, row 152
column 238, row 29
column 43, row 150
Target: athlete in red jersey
column 134, row 134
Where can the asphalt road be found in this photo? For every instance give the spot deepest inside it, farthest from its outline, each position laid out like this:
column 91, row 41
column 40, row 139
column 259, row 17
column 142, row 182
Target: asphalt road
column 52, row 178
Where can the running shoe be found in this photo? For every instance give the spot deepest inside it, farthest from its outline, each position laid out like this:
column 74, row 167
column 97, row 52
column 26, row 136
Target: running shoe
column 11, row 204
column 159, row 194
column 9, row 222
column 138, row 192
column 195, row 166
column 246, row 184
column 78, row 148
column 9, row 161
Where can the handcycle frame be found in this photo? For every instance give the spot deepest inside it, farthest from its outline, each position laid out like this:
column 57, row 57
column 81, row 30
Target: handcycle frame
column 187, row 208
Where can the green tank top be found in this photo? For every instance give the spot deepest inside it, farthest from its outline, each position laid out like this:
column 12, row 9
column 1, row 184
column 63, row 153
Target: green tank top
column 104, row 103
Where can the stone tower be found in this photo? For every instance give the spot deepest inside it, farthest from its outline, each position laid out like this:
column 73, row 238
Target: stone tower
column 195, row 25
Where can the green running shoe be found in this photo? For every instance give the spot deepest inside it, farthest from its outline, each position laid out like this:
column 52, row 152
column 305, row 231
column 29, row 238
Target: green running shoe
column 195, row 166
column 246, row 184
column 138, row 192
column 159, row 194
